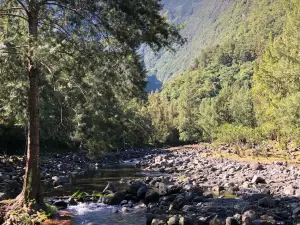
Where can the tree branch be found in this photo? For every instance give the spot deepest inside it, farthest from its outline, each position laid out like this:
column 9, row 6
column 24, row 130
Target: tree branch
column 23, row 6
column 12, row 8
column 13, row 15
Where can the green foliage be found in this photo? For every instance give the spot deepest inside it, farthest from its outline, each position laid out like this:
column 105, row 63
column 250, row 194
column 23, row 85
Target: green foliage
column 88, row 68
column 161, row 114
column 277, row 80
column 217, row 22
column 238, row 134
column 217, row 98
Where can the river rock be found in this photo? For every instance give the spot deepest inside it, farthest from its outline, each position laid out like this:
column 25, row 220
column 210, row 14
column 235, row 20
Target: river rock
column 218, row 220
column 141, row 192
column 266, row 202
column 185, row 221
column 258, row 180
column 289, row 190
column 134, row 187
column 231, row 221
column 248, row 217
column 2, row 196
column 110, row 188
column 112, row 199
column 178, row 203
column 151, row 196
column 173, row 220
column 72, row 201
column 60, row 204
column 257, row 166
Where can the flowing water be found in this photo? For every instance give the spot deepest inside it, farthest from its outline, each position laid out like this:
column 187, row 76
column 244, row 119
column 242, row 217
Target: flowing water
column 98, row 213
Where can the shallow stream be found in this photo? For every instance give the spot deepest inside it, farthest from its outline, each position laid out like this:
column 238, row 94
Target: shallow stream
column 98, row 213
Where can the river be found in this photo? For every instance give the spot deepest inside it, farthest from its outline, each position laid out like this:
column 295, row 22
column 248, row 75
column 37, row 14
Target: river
column 98, row 213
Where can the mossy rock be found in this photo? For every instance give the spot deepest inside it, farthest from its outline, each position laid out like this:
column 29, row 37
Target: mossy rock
column 112, row 199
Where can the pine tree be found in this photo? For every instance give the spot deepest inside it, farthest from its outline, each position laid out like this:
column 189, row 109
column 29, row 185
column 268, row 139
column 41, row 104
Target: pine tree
column 36, row 29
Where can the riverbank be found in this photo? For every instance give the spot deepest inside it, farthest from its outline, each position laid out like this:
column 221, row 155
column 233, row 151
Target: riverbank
column 197, row 187
column 57, row 170
column 190, row 185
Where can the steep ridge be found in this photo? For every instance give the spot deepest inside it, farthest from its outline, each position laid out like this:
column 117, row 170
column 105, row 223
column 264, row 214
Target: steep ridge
column 201, row 28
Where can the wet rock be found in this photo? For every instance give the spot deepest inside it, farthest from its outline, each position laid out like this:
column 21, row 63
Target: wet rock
column 134, row 187
column 188, row 208
column 112, row 199
column 262, row 222
column 266, row 202
column 185, row 221
column 218, row 220
column 124, row 202
column 12, row 185
column 158, row 222
column 156, row 219
column 142, row 192
column 72, row 201
column 208, row 194
column 60, row 204
column 125, row 209
column 173, row 189
column 296, row 211
column 110, row 188
column 178, row 203
column 2, row 196
column 151, row 195
column 231, row 221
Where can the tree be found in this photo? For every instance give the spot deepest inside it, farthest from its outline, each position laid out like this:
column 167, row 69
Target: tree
column 277, row 79
column 34, row 29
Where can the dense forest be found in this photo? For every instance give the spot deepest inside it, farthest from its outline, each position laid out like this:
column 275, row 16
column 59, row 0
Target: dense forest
column 91, row 87
column 242, row 90
column 241, row 85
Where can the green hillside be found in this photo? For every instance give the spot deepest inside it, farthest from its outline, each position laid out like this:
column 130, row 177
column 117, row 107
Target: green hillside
column 207, row 23
column 244, row 87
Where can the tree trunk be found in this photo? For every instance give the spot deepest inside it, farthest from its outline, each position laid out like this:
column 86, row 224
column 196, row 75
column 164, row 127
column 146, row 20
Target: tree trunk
column 32, row 195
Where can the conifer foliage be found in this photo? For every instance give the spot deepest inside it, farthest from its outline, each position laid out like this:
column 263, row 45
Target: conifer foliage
column 48, row 49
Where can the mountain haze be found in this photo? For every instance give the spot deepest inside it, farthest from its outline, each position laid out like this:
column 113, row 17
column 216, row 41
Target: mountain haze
column 200, row 20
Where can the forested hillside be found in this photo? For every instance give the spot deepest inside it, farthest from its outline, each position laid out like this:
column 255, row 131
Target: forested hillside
column 206, row 23
column 243, row 89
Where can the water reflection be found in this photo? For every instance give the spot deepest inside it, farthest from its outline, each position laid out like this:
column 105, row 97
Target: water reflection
column 97, row 180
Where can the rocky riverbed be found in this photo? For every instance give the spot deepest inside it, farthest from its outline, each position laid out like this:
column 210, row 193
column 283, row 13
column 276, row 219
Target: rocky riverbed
column 57, row 170
column 190, row 189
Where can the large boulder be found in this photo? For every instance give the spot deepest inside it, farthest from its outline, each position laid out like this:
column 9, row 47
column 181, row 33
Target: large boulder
column 178, row 203
column 134, row 187
column 151, row 195
column 60, row 204
column 142, row 192
column 267, row 202
column 112, row 199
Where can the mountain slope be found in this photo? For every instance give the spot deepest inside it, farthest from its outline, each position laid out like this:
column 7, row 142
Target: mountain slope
column 208, row 23
column 200, row 21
